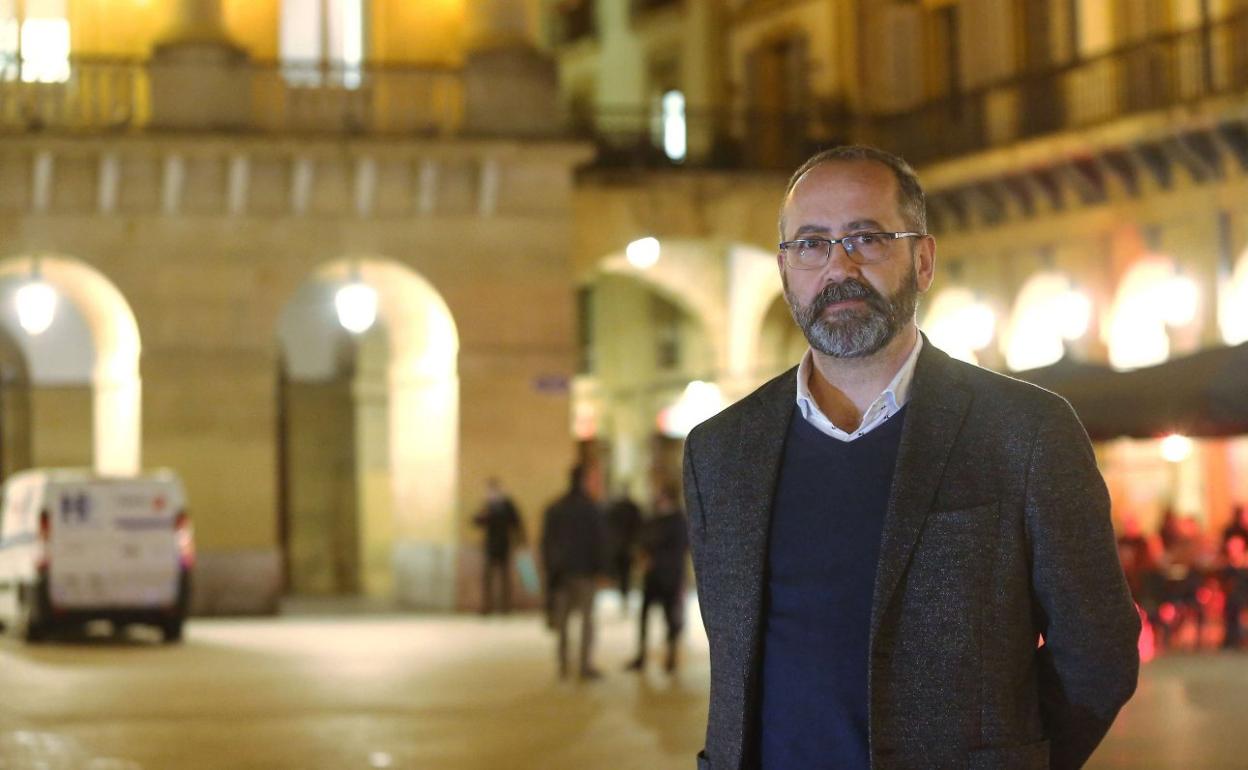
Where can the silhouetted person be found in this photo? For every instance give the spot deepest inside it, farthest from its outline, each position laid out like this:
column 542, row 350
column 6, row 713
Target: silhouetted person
column 501, row 522
column 624, row 526
column 664, row 546
column 1139, row 556
column 1235, row 582
column 574, row 555
column 1238, row 525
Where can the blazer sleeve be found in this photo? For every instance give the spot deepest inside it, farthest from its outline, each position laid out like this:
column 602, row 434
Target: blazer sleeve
column 1089, row 661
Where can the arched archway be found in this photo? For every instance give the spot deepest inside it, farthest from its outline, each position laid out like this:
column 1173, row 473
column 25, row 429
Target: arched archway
column 959, row 323
column 116, row 390
column 1233, row 304
column 781, row 343
column 1152, row 298
column 1048, row 312
column 389, row 529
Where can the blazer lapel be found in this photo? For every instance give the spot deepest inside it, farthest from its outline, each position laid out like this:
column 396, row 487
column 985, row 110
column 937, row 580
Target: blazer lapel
column 758, row 464
column 934, row 415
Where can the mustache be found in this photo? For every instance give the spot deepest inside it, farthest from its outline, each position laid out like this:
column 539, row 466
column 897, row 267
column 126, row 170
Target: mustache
column 850, row 288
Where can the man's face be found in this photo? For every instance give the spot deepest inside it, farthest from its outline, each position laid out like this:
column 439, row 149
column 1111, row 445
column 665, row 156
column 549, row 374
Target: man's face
column 847, row 310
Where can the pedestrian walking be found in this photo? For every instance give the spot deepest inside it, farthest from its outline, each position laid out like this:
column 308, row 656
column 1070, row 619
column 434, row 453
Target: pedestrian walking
column 574, row 556
column 500, row 520
column 664, row 546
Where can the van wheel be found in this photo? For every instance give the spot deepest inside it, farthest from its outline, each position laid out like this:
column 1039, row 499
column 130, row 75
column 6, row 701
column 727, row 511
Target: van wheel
column 29, row 625
column 172, row 630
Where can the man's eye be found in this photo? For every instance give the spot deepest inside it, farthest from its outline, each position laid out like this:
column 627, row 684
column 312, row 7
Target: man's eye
column 865, row 239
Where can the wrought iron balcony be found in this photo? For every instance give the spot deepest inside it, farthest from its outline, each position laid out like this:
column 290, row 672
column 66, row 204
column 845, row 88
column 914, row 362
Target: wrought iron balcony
column 1162, row 72
column 110, row 94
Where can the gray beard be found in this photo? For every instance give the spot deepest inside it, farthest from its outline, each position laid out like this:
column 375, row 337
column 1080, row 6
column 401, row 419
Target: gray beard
column 860, row 332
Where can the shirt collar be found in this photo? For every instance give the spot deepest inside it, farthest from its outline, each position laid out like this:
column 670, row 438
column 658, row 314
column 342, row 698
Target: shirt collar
column 894, row 396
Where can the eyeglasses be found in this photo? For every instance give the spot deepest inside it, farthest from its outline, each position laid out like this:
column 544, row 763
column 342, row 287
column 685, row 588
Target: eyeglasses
column 862, row 248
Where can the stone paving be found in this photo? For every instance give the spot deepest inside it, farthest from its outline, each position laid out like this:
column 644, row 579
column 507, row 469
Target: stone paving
column 459, row 692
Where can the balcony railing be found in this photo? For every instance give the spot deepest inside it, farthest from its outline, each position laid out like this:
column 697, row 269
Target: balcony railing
column 1157, row 73
column 114, row 94
column 100, row 93
column 319, row 98
column 1161, row 72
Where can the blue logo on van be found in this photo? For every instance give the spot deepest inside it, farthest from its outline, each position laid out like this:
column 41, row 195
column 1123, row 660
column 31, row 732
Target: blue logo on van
column 75, row 508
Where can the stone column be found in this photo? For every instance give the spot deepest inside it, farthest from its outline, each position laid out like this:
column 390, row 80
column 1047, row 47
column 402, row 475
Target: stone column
column 196, row 20
column 510, row 88
column 200, row 78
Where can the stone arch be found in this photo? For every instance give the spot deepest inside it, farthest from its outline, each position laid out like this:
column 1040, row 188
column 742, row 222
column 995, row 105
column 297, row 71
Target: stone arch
column 1152, row 298
column 754, row 289
column 116, row 385
column 405, row 425
column 1233, row 303
column 1047, row 313
column 685, row 275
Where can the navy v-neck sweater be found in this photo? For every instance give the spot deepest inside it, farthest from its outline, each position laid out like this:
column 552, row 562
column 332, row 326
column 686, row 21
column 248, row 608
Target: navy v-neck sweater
column 824, row 545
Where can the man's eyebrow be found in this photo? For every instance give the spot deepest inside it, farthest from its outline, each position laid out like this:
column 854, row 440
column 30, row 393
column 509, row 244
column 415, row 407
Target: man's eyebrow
column 856, row 225
column 863, row 224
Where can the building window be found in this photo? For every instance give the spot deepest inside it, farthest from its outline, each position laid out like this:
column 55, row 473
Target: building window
column 322, row 42
column 675, row 130
column 34, row 41
column 585, row 330
column 667, row 333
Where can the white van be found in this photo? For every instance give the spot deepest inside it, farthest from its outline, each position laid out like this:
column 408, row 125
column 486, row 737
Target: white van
column 77, row 547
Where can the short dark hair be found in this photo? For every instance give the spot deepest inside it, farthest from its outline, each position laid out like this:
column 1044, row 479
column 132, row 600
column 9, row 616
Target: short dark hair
column 577, row 475
column 911, row 201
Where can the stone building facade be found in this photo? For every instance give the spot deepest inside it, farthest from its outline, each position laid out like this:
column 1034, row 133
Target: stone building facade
column 1086, row 164
column 196, row 191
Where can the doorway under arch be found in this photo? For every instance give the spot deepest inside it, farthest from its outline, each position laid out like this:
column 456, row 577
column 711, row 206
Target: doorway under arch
column 106, row 353
column 369, row 439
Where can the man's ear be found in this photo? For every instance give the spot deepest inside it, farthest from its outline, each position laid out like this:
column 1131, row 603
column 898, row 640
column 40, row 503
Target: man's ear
column 925, row 262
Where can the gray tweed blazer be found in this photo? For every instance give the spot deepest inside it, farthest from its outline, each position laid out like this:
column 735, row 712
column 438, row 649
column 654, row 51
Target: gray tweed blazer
column 997, row 533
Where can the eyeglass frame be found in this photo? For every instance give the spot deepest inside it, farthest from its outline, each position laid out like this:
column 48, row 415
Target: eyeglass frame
column 845, row 241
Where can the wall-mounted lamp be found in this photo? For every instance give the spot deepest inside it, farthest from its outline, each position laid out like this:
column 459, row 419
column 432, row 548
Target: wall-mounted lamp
column 643, row 253
column 36, row 303
column 356, row 303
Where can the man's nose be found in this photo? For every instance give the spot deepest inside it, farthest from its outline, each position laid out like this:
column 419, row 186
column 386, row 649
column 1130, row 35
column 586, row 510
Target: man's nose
column 840, row 265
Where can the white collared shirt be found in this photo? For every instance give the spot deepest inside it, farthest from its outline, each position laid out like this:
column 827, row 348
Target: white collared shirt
column 885, row 405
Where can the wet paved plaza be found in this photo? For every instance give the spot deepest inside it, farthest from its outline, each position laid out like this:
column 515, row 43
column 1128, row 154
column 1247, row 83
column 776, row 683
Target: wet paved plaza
column 457, row 692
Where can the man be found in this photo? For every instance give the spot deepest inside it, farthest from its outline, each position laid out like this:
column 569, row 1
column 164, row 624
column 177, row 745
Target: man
column 623, row 526
column 664, row 549
column 501, row 522
column 574, row 556
column 882, row 537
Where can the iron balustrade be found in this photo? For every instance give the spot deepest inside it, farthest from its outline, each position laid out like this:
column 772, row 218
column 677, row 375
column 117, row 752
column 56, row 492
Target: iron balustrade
column 103, row 94
column 1156, row 73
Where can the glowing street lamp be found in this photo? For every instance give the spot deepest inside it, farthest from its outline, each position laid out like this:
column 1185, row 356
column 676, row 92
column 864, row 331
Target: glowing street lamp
column 643, row 253
column 356, row 303
column 36, row 304
column 1176, row 448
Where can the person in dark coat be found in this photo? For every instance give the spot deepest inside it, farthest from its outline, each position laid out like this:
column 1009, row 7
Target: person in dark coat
column 1235, row 580
column 882, row 534
column 574, row 545
column 664, row 544
column 624, row 526
column 503, row 530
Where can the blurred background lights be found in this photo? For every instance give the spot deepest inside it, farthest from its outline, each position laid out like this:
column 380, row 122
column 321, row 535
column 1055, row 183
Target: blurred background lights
column 1074, row 312
column 1176, row 448
column 1179, row 297
column 960, row 324
column 1048, row 312
column 356, row 304
column 643, row 253
column 36, row 306
column 675, row 136
column 699, row 402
